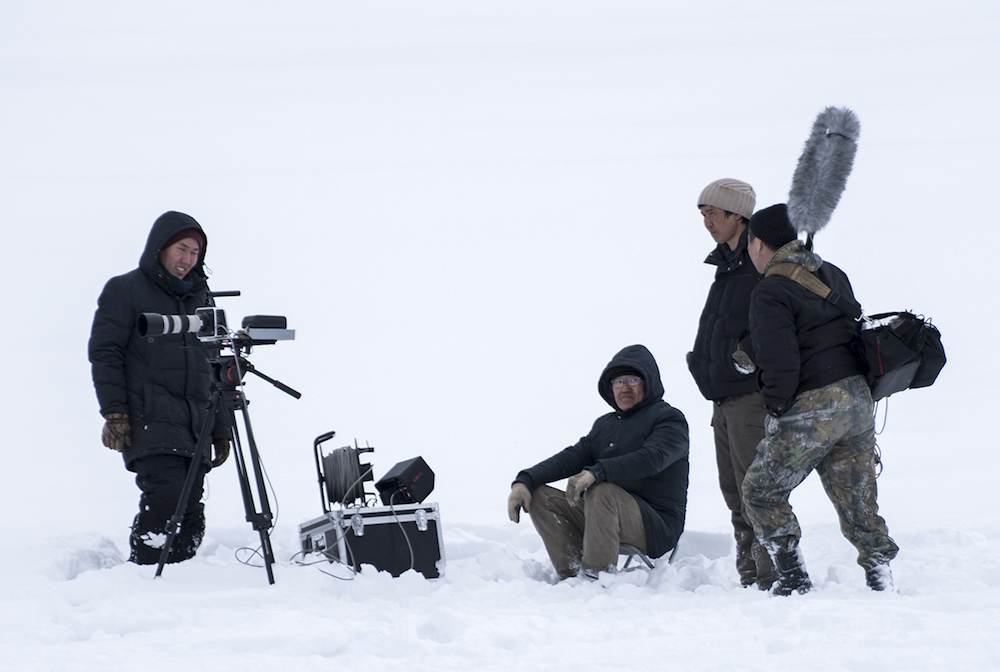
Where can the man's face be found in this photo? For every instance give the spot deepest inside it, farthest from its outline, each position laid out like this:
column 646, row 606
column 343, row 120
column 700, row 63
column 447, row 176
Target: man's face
column 758, row 254
column 180, row 257
column 629, row 390
column 723, row 228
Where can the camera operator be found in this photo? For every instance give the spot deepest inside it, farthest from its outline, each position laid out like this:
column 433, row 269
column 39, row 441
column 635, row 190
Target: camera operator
column 154, row 392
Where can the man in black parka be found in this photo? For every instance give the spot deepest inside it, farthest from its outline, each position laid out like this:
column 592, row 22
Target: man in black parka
column 737, row 410
column 154, row 392
column 630, row 473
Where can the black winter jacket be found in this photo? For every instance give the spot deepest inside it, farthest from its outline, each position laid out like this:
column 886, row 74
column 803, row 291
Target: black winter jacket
column 802, row 342
column 724, row 323
column 644, row 450
column 163, row 386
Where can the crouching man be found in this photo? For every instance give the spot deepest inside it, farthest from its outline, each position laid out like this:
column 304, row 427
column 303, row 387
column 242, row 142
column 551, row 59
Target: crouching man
column 628, row 477
column 820, row 409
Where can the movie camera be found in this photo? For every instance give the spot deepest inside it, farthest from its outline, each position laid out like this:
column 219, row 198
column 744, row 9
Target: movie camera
column 208, row 324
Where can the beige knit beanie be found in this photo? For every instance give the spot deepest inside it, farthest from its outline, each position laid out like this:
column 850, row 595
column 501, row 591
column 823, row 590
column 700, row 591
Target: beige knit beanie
column 729, row 195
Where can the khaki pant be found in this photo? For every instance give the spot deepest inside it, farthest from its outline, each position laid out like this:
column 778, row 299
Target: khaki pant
column 586, row 537
column 738, row 425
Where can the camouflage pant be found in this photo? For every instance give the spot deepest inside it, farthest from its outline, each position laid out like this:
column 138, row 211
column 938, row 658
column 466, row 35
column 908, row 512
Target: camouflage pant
column 831, row 430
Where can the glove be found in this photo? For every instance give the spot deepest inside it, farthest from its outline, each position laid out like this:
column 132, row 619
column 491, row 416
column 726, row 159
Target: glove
column 221, row 452
column 742, row 361
column 116, row 433
column 520, row 498
column 576, row 486
column 779, row 410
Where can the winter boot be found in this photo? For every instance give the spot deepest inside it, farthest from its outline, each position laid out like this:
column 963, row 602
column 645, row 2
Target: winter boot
column 745, row 564
column 878, row 576
column 792, row 576
column 766, row 576
column 146, row 540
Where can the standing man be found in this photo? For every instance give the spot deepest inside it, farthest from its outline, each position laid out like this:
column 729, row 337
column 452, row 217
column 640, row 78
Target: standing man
column 154, row 392
column 820, row 409
column 722, row 368
column 628, row 477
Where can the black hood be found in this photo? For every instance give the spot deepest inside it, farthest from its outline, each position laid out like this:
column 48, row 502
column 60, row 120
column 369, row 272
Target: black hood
column 640, row 360
column 164, row 228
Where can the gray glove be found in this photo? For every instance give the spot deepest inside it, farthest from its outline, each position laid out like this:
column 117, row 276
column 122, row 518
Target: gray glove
column 577, row 485
column 742, row 361
column 116, row 433
column 520, row 498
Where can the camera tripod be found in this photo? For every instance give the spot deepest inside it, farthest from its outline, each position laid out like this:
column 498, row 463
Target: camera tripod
column 227, row 395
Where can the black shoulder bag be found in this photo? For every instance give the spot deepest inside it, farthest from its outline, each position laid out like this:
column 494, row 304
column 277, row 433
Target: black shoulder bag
column 898, row 350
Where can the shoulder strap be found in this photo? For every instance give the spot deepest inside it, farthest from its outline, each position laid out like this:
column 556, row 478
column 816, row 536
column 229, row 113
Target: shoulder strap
column 799, row 274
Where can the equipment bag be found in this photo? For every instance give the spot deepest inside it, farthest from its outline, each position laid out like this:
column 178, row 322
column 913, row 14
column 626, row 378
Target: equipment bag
column 898, row 350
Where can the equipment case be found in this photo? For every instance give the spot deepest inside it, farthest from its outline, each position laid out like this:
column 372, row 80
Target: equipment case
column 378, row 536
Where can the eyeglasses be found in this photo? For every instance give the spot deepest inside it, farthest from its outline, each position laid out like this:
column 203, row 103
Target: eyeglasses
column 631, row 381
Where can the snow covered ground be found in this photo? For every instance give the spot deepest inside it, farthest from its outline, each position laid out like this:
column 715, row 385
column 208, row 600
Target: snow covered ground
column 498, row 607
column 465, row 209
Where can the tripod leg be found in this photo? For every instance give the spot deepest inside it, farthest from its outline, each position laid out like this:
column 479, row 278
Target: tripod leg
column 204, row 442
column 265, row 548
column 261, row 520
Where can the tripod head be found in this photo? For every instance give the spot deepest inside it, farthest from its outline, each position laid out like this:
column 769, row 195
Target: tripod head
column 228, row 372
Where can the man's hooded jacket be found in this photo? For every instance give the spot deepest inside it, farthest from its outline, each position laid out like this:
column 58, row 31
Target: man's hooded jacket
column 163, row 383
column 643, row 450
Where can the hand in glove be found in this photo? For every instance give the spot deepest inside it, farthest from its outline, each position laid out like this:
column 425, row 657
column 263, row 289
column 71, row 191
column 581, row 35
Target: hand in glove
column 576, row 486
column 116, row 433
column 221, row 452
column 742, row 361
column 520, row 498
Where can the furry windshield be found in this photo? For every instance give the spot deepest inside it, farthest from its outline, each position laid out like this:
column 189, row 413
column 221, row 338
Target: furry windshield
column 821, row 175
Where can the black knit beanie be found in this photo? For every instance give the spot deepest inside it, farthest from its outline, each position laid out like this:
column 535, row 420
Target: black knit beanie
column 194, row 234
column 773, row 227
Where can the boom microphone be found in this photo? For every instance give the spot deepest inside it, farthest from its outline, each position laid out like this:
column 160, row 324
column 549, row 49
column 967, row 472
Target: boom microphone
column 822, row 171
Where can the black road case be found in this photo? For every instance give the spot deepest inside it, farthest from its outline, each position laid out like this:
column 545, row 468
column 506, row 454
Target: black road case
column 393, row 539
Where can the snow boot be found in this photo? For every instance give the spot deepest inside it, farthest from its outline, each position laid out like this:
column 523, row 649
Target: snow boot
column 878, row 576
column 792, row 576
column 766, row 575
column 745, row 565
